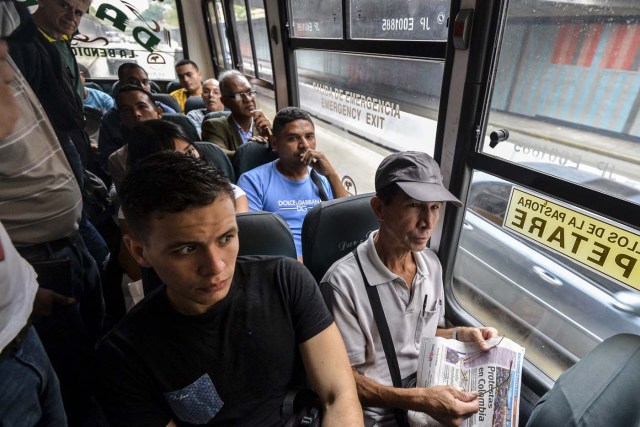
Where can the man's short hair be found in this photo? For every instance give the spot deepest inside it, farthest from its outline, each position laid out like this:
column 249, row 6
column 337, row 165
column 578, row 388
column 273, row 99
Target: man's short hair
column 288, row 115
column 131, row 88
column 388, row 192
column 224, row 79
column 128, row 65
column 151, row 136
column 186, row 62
column 169, row 182
column 84, row 70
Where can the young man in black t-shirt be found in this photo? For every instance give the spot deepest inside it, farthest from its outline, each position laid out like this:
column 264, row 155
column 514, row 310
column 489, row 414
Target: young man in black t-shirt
column 226, row 338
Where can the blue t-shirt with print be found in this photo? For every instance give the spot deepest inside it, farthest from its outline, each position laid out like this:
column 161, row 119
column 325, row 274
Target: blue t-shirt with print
column 269, row 190
column 98, row 100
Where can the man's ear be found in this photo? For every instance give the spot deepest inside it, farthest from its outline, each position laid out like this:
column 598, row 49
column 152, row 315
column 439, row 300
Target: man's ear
column 376, row 205
column 159, row 111
column 136, row 249
column 273, row 142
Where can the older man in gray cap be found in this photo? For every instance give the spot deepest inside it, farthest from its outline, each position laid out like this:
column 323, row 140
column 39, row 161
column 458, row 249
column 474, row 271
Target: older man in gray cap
column 394, row 271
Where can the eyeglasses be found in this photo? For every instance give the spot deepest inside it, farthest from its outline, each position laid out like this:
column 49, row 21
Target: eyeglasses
column 464, row 372
column 239, row 96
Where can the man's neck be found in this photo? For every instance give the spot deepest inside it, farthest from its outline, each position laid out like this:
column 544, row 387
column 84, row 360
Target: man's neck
column 297, row 172
column 244, row 122
column 397, row 259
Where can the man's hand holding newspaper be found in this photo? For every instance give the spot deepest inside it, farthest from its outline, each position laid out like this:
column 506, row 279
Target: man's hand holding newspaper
column 493, row 375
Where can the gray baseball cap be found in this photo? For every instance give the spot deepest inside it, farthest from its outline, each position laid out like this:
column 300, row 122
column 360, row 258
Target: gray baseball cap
column 417, row 174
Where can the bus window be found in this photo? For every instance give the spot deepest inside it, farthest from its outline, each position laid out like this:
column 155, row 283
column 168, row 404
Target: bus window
column 390, row 102
column 321, row 19
column 556, row 276
column 243, row 36
column 147, row 33
column 261, row 40
column 567, row 89
column 218, row 32
column 400, row 20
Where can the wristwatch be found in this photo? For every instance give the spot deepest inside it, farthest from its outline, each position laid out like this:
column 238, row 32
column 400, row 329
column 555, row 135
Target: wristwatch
column 454, row 336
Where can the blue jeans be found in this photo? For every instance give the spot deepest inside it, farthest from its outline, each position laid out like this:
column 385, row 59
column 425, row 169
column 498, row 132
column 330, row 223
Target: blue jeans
column 29, row 390
column 70, row 333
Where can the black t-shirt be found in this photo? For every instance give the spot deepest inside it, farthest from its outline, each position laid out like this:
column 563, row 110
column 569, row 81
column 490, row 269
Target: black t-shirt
column 230, row 366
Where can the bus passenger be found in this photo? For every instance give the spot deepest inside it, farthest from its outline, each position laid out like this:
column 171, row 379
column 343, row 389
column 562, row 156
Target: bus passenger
column 225, row 337
column 408, row 277
column 190, row 80
column 134, row 105
column 110, row 136
column 213, row 104
column 246, row 123
column 41, row 209
column 298, row 180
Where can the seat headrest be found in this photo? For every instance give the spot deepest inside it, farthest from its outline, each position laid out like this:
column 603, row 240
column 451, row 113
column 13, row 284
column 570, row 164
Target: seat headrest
column 251, row 155
column 264, row 233
column 214, row 154
column 193, row 103
column 334, row 228
column 186, row 124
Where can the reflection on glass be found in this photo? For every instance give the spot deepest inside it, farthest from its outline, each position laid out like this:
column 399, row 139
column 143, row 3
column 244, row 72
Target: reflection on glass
column 215, row 33
column 243, row 38
column 400, row 20
column 261, row 39
column 222, row 29
column 568, row 90
column 392, row 102
column 552, row 305
column 155, row 44
column 322, row 19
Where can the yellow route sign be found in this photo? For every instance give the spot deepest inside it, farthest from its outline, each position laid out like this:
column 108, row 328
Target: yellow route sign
column 600, row 245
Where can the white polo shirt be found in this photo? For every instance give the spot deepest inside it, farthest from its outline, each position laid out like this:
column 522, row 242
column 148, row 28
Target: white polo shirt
column 403, row 308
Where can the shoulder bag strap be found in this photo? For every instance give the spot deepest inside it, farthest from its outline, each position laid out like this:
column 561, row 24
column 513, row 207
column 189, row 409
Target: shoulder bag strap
column 385, row 337
column 318, row 182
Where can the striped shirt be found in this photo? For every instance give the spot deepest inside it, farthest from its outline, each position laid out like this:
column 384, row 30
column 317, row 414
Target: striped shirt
column 40, row 200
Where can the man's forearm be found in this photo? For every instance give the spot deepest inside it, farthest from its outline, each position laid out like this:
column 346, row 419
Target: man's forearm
column 372, row 393
column 336, row 185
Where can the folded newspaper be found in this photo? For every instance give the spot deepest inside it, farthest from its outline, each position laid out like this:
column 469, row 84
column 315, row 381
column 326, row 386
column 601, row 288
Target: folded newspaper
column 494, row 374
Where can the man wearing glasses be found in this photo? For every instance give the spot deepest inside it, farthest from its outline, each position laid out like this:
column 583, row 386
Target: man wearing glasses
column 395, row 263
column 245, row 123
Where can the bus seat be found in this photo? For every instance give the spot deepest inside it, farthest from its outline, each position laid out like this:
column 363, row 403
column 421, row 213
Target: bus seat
column 173, row 85
column 334, row 228
column 193, row 103
column 167, row 100
column 214, row 154
column 184, row 122
column 251, row 155
column 600, row 390
column 264, row 233
column 216, row 114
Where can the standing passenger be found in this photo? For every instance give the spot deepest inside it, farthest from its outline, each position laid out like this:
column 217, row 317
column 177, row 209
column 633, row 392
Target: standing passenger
column 40, row 207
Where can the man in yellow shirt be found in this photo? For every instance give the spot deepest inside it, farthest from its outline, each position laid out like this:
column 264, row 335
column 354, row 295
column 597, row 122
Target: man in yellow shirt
column 190, row 80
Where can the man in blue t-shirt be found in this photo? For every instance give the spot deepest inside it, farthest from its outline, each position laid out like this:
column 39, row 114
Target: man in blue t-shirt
column 298, row 180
